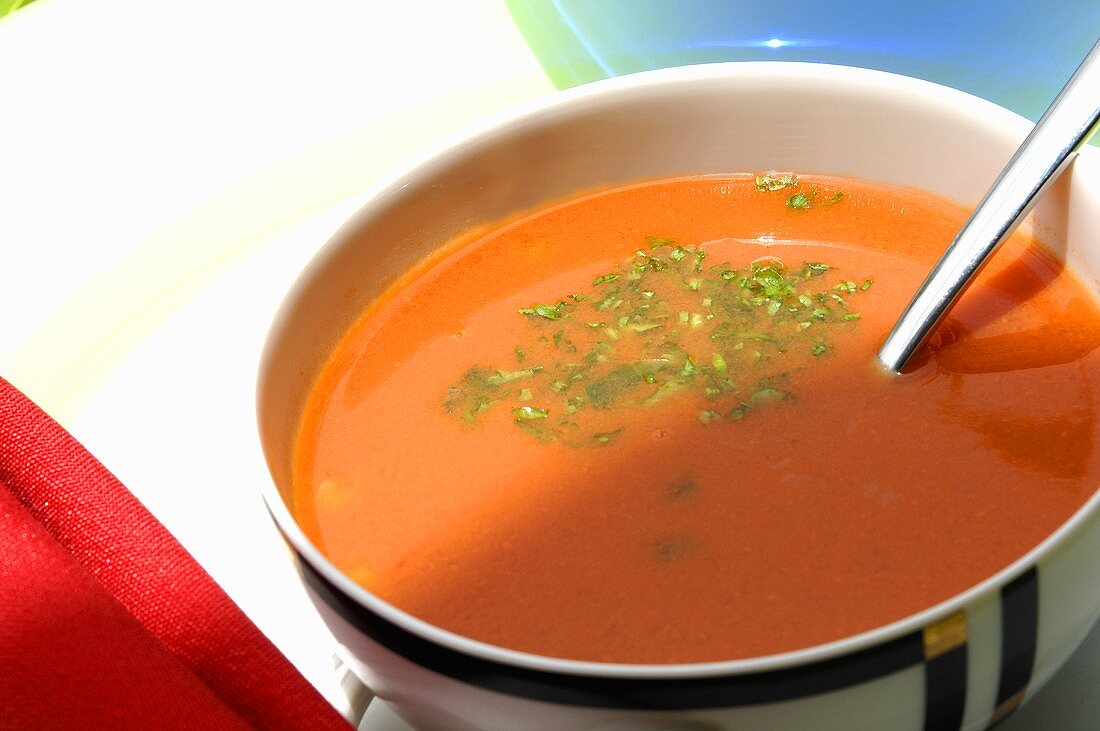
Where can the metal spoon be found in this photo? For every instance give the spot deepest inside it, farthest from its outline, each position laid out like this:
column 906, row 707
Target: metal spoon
column 1065, row 126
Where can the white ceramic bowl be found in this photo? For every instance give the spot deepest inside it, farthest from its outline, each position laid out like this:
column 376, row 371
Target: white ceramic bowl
column 960, row 664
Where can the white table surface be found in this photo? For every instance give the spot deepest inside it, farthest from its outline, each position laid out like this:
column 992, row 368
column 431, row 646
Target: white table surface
column 166, row 169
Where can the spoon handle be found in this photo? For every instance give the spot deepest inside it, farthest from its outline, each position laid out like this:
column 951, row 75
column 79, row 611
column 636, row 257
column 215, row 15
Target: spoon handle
column 1065, row 126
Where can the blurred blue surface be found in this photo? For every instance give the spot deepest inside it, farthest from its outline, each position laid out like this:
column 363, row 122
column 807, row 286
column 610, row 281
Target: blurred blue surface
column 1017, row 54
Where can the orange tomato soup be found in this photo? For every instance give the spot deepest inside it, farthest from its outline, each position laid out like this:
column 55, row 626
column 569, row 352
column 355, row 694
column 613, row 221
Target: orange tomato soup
column 647, row 425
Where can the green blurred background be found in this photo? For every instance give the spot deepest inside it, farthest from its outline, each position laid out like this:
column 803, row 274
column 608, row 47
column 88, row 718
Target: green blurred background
column 6, row 6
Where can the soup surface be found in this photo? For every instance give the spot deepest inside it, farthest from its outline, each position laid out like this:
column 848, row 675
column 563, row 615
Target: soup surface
column 647, row 425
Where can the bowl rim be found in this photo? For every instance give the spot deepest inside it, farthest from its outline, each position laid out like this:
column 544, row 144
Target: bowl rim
column 542, row 110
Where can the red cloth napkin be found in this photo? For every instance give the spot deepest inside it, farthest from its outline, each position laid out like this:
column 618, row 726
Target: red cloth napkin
column 105, row 620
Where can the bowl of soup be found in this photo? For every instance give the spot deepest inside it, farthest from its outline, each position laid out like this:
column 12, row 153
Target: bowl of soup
column 578, row 422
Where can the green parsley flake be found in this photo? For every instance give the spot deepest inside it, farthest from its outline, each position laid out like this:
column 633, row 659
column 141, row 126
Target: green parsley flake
column 530, row 413
column 502, row 377
column 550, row 312
column 769, row 183
column 738, row 412
column 798, row 200
column 845, row 286
column 607, row 437
column 707, row 416
column 609, row 303
column 767, row 395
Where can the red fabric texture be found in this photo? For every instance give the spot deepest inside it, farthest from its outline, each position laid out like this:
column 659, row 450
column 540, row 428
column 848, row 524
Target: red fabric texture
column 105, row 620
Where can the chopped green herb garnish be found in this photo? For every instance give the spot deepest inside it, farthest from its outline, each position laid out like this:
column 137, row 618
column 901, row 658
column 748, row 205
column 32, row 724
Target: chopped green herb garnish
column 833, row 199
column 656, row 242
column 738, row 412
column 767, row 395
column 535, row 429
column 845, row 286
column 866, row 284
column 633, row 334
column 609, row 303
column 706, row 416
column 472, row 394
column 502, row 377
column 550, row 312
column 767, row 183
column 530, row 413
column 604, row 392
column 607, row 437
column 798, row 200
